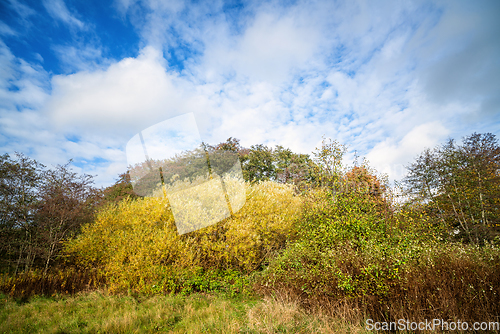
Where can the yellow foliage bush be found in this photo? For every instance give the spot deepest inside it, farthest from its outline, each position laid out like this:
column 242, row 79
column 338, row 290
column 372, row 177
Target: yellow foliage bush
column 135, row 243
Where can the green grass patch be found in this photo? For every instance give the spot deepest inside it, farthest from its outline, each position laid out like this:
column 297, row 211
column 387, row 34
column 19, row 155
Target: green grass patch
column 99, row 312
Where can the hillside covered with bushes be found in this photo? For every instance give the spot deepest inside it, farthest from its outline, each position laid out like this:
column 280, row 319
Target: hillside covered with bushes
column 336, row 239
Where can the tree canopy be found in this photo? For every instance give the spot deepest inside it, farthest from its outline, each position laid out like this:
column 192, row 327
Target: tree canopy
column 460, row 185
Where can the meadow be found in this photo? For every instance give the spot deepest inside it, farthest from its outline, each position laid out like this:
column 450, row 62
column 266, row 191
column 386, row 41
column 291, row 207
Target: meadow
column 100, row 312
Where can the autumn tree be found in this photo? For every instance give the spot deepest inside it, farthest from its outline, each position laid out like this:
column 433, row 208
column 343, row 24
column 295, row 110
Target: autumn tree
column 360, row 178
column 40, row 208
column 460, row 185
column 19, row 182
column 232, row 145
column 67, row 201
column 328, row 168
column 119, row 191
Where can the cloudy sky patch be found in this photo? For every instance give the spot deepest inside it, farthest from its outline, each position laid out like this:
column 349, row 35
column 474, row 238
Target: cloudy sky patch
column 79, row 79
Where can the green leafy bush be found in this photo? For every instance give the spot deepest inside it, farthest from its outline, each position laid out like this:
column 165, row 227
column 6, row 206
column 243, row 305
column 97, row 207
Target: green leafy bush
column 358, row 253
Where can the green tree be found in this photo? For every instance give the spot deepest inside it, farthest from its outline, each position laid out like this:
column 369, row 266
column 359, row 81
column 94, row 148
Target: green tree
column 292, row 167
column 259, row 166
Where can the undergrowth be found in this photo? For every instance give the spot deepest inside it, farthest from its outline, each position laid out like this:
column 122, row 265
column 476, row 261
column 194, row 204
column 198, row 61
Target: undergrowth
column 357, row 261
column 349, row 253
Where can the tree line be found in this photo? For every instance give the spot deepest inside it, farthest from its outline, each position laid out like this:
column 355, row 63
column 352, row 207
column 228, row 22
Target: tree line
column 39, row 209
column 457, row 185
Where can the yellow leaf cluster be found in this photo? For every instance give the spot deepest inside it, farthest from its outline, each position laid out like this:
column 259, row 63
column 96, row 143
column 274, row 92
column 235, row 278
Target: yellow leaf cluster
column 136, row 242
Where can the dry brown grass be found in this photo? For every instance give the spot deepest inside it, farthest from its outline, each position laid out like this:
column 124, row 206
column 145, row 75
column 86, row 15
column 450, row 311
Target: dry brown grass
column 35, row 282
column 280, row 314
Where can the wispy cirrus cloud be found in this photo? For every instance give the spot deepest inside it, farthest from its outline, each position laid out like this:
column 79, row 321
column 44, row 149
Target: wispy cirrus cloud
column 59, row 11
column 6, row 30
column 24, row 11
column 77, row 58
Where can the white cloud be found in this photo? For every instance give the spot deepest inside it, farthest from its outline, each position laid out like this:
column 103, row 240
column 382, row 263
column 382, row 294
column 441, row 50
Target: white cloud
column 21, row 84
column 133, row 93
column 391, row 156
column 268, row 50
column 459, row 62
column 387, row 78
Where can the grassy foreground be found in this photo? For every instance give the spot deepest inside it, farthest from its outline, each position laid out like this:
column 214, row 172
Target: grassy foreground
column 99, row 312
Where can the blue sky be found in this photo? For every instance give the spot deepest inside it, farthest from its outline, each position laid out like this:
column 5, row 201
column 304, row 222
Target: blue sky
column 78, row 79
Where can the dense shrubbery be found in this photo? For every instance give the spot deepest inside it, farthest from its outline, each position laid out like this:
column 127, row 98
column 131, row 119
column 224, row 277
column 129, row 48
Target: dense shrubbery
column 136, row 245
column 354, row 260
column 341, row 244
